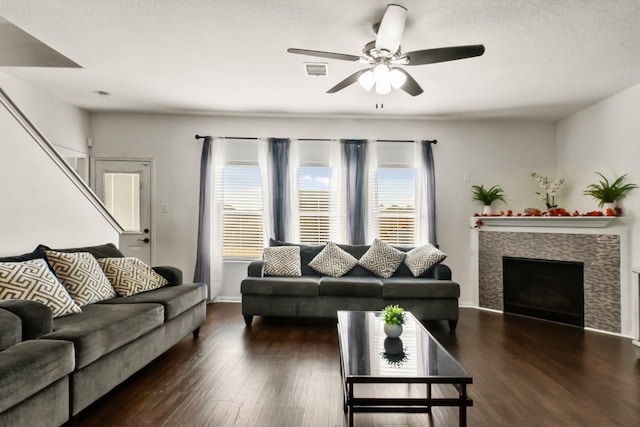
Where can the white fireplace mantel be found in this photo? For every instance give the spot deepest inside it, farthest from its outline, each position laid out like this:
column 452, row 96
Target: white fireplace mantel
column 567, row 225
column 547, row 221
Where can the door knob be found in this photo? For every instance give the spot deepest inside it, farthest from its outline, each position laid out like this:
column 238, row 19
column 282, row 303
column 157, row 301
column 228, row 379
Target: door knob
column 146, row 240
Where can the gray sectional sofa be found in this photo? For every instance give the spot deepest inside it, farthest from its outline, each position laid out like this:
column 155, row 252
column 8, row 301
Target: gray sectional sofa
column 53, row 368
column 431, row 296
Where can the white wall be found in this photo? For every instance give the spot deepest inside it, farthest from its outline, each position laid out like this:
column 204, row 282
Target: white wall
column 39, row 202
column 605, row 138
column 491, row 152
column 62, row 124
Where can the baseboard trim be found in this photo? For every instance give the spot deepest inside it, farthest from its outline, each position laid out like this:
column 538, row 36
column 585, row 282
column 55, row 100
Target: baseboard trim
column 236, row 300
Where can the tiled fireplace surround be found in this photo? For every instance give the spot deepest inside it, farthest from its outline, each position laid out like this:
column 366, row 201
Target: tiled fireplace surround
column 600, row 253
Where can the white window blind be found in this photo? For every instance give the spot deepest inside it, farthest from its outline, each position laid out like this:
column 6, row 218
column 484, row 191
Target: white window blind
column 243, row 226
column 315, row 204
column 395, row 205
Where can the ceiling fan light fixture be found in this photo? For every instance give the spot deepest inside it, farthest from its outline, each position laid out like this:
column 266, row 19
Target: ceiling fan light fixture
column 383, row 87
column 397, row 78
column 367, row 80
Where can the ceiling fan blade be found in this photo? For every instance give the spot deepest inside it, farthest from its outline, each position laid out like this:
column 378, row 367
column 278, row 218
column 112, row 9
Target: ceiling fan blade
column 330, row 55
column 348, row 81
column 443, row 54
column 391, row 28
column 410, row 85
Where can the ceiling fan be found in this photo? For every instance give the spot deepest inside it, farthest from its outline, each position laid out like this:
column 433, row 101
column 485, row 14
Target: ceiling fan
column 384, row 56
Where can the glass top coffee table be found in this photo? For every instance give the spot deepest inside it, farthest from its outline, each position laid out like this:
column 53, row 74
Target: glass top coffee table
column 367, row 356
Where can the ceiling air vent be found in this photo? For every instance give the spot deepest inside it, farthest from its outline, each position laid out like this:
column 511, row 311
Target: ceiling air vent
column 316, row 69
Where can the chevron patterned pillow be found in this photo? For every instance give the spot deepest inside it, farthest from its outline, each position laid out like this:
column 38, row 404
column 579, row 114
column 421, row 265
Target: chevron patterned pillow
column 130, row 276
column 32, row 280
column 80, row 273
column 282, row 261
column 382, row 259
column 333, row 261
column 423, row 258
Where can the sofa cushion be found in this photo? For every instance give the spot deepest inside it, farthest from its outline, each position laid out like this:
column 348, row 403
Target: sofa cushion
column 351, row 287
column 30, row 366
column 10, row 329
column 399, row 287
column 282, row 261
column 422, row 258
column 36, row 254
column 307, row 254
column 108, row 250
column 381, row 259
column 130, row 276
column 175, row 299
column 32, row 280
column 102, row 328
column 296, row 286
column 333, row 261
column 80, row 273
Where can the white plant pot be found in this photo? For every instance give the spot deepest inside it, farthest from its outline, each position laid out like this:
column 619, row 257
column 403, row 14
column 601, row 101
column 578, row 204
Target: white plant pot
column 392, row 331
column 486, row 210
column 606, row 206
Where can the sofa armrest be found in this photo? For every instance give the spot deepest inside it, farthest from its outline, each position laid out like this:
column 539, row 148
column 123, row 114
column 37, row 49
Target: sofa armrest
column 441, row 272
column 10, row 329
column 37, row 318
column 256, row 268
column 172, row 274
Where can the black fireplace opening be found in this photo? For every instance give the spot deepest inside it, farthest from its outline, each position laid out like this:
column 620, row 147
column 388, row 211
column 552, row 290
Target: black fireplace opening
column 544, row 289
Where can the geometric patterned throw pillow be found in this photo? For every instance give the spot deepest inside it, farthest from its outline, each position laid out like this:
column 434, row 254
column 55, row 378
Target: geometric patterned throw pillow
column 333, row 261
column 282, row 261
column 80, row 273
column 382, row 259
column 423, row 258
column 130, row 276
column 32, row 280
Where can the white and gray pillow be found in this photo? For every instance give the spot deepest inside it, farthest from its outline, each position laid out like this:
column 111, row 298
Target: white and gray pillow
column 130, row 276
column 282, row 261
column 422, row 258
column 382, row 259
column 333, row 261
column 80, row 273
column 32, row 280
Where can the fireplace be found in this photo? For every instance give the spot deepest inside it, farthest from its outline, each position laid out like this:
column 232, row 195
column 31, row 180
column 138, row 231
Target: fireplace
column 545, row 289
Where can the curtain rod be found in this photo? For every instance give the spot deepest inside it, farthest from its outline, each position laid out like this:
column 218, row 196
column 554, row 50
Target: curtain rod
column 433, row 141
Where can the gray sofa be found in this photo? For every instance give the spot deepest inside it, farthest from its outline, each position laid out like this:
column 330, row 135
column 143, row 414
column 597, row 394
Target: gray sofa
column 431, row 296
column 51, row 369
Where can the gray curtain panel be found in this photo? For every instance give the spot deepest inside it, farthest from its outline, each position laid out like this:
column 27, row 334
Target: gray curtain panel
column 280, row 187
column 430, row 188
column 203, row 257
column 355, row 178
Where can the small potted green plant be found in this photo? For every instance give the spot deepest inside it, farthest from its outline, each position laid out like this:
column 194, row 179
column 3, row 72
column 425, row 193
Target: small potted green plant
column 608, row 193
column 393, row 317
column 487, row 196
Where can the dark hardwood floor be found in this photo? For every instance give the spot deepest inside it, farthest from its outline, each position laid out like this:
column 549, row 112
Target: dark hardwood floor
column 285, row 373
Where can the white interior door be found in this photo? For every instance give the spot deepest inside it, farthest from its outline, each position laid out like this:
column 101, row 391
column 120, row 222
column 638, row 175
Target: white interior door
column 125, row 188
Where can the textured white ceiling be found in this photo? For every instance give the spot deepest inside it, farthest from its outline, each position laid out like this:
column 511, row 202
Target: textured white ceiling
column 543, row 60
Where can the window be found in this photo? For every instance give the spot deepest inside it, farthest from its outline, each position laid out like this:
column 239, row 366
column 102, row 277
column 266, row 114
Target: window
column 122, row 199
column 395, row 205
column 243, row 227
column 314, row 204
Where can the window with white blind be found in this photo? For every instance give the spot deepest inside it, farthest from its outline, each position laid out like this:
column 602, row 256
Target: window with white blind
column 243, row 226
column 314, row 201
column 396, row 205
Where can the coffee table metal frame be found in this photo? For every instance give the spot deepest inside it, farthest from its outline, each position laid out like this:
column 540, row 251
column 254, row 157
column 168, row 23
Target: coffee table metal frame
column 354, row 404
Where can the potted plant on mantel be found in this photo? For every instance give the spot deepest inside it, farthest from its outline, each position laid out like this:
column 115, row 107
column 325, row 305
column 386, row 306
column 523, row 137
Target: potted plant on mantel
column 487, row 196
column 608, row 193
